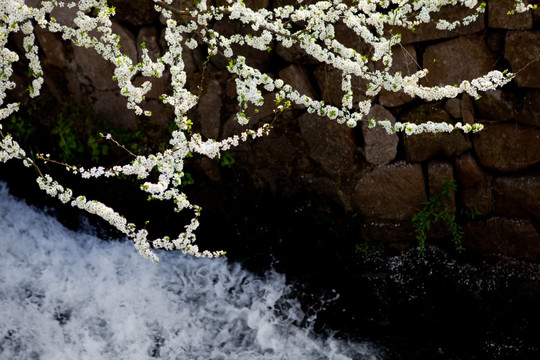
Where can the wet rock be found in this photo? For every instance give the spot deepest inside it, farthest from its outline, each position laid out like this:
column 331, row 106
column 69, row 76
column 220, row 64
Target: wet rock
column 425, row 32
column 404, row 60
column 507, row 147
column 498, row 16
column 329, row 81
column 445, row 68
column 379, row 146
column 528, row 110
column 522, row 48
column 330, row 144
column 518, row 195
column 425, row 146
column 468, row 171
column 494, row 105
column 515, row 238
column 390, row 192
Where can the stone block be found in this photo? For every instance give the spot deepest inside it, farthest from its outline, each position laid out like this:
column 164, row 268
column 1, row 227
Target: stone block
column 507, row 147
column 404, row 60
column 379, row 146
column 445, row 68
column 528, row 109
column 515, row 238
column 428, row 31
column 468, row 171
column 425, row 146
column 522, row 50
column 390, row 192
column 329, row 81
column 331, row 145
column 494, row 105
column 518, row 195
column 498, row 16
column 297, row 77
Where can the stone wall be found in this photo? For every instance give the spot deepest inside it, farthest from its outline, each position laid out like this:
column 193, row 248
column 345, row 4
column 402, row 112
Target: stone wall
column 383, row 178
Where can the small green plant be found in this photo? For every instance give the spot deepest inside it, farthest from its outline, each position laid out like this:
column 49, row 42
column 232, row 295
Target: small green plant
column 369, row 248
column 227, row 160
column 433, row 211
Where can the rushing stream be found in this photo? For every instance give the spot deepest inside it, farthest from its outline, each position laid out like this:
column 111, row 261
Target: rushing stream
column 68, row 295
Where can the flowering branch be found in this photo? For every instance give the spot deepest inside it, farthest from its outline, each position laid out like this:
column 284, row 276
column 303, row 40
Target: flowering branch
column 310, row 27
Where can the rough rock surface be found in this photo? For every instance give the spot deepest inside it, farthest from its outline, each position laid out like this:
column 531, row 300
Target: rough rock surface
column 390, row 192
column 475, row 59
column 516, row 238
column 521, row 50
column 518, row 195
column 330, row 144
column 498, row 16
column 507, row 147
column 379, row 146
column 426, row 32
column 528, row 111
column 494, row 105
column 425, row 146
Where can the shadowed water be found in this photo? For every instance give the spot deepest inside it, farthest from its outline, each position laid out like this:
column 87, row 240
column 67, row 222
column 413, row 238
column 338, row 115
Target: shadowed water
column 68, row 295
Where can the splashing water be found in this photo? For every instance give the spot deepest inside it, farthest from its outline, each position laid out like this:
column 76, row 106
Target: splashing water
column 68, row 295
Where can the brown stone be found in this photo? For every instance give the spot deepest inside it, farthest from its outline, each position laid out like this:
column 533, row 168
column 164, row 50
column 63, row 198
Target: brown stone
column 128, row 45
column 425, row 146
column 516, row 238
column 297, row 77
column 498, row 16
column 467, row 109
column 518, row 195
column 453, row 107
column 134, row 12
column 52, row 48
column 440, row 182
column 112, row 106
column 209, row 110
column 330, row 144
column 295, row 54
column 379, row 146
column 467, row 170
column 149, row 36
column 329, row 81
column 478, row 199
column 494, row 105
column 404, row 60
column 507, row 147
column 528, row 110
column 428, row 31
column 390, row 192
column 445, row 68
column 521, row 50
column 265, row 113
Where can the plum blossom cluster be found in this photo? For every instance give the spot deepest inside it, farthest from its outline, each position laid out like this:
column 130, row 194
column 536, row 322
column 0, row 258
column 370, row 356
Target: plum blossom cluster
column 310, row 27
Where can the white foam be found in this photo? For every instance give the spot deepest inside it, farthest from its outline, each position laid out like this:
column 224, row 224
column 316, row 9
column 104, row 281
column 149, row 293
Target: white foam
column 67, row 295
